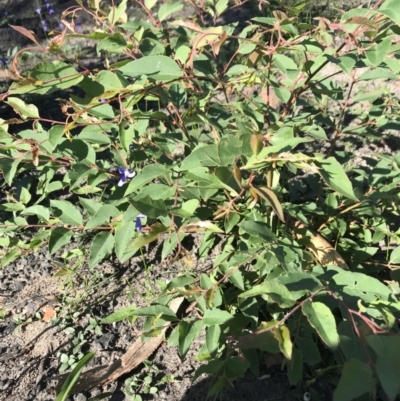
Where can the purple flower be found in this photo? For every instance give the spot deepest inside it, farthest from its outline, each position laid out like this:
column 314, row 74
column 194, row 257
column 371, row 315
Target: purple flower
column 61, row 25
column 102, row 100
column 38, row 10
column 139, row 222
column 51, row 11
column 45, row 28
column 43, row 22
column 124, row 175
column 48, row 5
column 78, row 28
column 3, row 62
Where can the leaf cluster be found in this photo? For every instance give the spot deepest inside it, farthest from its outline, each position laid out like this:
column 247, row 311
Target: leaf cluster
column 239, row 136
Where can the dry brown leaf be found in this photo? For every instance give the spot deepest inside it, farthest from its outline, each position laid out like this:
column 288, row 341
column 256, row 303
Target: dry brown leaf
column 48, row 313
column 23, row 31
column 320, row 247
column 136, row 354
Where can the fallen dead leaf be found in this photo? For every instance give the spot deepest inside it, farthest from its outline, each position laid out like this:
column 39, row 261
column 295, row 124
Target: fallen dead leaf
column 136, row 354
column 49, row 313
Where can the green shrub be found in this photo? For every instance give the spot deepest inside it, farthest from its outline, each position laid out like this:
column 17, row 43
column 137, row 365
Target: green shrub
column 257, row 137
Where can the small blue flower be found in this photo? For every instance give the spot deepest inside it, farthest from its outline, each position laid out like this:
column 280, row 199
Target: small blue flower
column 48, row 5
column 43, row 22
column 3, row 62
column 51, row 11
column 38, row 10
column 61, row 25
column 124, row 175
column 102, row 100
column 78, row 27
column 139, row 222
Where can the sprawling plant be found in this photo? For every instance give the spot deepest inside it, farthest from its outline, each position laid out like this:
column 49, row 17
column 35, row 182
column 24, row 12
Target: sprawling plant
column 246, row 135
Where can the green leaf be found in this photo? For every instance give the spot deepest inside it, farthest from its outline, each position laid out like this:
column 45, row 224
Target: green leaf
column 167, row 9
column 353, row 286
column 188, row 332
column 149, row 4
column 309, row 349
column 377, row 52
column 216, row 316
column 378, row 73
column 387, row 349
column 149, row 173
column 10, row 257
column 295, row 367
column 102, row 216
column 221, row 154
column 357, row 378
column 78, row 150
column 102, row 245
column 221, row 6
column 333, row 174
column 390, row 8
column 25, row 196
column 120, row 314
column 37, row 210
column 187, row 209
column 225, row 175
column 23, row 109
column 12, row 206
column 180, row 281
column 276, row 291
column 46, row 78
column 282, row 334
column 66, row 212
column 126, row 135
column 115, row 43
column 90, row 205
column 321, row 318
column 8, row 167
column 164, row 311
column 213, row 334
column 159, row 68
column 269, row 195
column 73, row 377
column 395, row 256
column 300, row 283
column 59, row 237
column 258, row 229
column 350, row 344
column 149, row 207
column 92, row 134
column 116, row 12
column 122, row 237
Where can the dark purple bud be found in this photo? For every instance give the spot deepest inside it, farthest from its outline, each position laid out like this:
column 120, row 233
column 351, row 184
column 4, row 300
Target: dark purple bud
column 138, row 224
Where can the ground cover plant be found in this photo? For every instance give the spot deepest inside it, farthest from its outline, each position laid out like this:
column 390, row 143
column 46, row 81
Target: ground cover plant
column 244, row 136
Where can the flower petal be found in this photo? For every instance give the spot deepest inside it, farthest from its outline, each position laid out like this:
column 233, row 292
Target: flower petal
column 130, row 174
column 121, row 170
column 121, row 181
column 138, row 224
